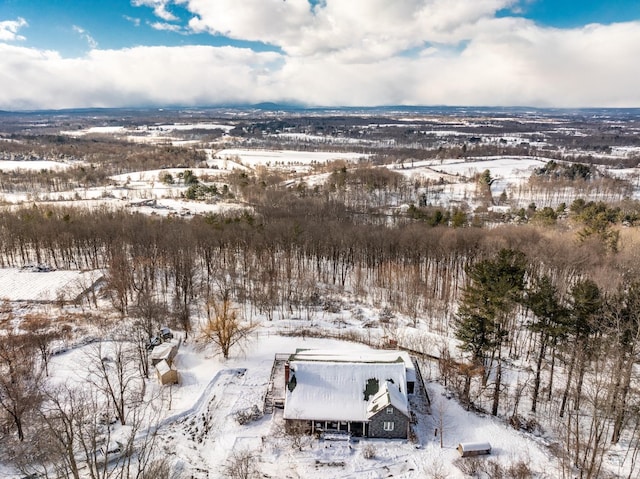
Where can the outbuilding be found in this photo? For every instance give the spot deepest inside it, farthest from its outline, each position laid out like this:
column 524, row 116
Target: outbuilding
column 468, row 449
column 164, row 352
column 166, row 374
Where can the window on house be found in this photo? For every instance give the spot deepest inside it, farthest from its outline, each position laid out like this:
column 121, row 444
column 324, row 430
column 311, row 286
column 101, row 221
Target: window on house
column 389, row 410
column 388, row 425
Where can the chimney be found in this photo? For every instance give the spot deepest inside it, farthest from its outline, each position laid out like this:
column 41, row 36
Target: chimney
column 286, row 373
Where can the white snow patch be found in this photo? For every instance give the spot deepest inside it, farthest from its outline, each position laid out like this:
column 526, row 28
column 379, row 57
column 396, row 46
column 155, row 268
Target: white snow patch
column 35, row 165
column 43, row 285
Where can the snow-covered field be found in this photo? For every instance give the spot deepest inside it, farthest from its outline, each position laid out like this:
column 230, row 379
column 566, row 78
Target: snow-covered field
column 454, row 178
column 285, row 158
column 35, row 165
column 43, row 285
column 147, row 130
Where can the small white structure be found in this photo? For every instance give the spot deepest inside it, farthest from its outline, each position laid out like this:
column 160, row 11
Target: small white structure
column 468, row 449
column 167, row 374
column 164, row 352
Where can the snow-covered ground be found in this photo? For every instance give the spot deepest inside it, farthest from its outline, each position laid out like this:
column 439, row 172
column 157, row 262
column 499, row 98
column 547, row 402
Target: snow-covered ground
column 147, row 130
column 451, row 180
column 274, row 158
column 35, row 165
column 41, row 284
column 200, row 428
column 198, row 423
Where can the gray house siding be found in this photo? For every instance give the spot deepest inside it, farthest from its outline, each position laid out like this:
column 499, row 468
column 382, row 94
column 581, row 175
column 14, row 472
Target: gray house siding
column 388, row 423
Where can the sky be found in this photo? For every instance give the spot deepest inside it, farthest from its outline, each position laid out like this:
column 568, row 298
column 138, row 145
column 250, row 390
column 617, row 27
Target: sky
column 57, row 54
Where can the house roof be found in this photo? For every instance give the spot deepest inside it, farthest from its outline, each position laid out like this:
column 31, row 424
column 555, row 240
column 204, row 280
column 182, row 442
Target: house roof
column 360, row 356
column 474, row 446
column 334, row 390
column 388, row 395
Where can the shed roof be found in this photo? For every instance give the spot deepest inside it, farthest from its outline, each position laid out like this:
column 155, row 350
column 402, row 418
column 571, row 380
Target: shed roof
column 163, row 367
column 474, row 446
column 162, row 351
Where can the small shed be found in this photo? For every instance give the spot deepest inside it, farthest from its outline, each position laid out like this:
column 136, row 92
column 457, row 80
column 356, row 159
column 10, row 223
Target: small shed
column 164, row 352
column 468, row 449
column 166, row 374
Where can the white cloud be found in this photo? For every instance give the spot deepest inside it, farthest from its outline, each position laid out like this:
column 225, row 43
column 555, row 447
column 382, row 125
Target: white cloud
column 159, row 8
column 135, row 21
column 84, row 34
column 366, row 52
column 371, row 28
column 171, row 27
column 188, row 75
column 9, row 29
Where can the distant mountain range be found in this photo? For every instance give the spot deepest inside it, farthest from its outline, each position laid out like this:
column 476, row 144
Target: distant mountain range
column 290, row 107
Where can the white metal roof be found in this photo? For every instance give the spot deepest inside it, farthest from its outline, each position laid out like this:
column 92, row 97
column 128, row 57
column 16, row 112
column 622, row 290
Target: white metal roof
column 359, row 356
column 163, row 367
column 162, row 351
column 335, row 391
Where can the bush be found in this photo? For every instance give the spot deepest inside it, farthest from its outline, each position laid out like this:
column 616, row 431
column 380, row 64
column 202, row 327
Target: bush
column 369, row 451
column 520, row 470
column 469, row 466
column 246, row 416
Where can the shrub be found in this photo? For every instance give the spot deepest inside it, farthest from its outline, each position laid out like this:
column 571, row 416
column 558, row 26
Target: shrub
column 369, row 451
column 246, row 416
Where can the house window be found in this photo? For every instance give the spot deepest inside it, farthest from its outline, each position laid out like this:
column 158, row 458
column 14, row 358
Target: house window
column 388, row 425
column 389, row 410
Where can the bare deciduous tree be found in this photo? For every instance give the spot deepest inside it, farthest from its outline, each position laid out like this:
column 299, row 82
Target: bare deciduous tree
column 41, row 336
column 223, row 327
column 113, row 371
column 21, row 375
column 242, row 465
column 78, row 431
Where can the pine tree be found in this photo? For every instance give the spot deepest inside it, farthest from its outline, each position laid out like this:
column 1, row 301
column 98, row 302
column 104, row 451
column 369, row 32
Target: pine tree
column 494, row 289
column 550, row 322
column 585, row 311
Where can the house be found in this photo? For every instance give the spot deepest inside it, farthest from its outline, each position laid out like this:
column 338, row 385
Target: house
column 167, row 374
column 363, row 393
column 388, row 413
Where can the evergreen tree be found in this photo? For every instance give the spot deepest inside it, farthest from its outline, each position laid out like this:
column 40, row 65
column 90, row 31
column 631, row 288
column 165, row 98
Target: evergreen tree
column 494, row 289
column 550, row 322
column 584, row 313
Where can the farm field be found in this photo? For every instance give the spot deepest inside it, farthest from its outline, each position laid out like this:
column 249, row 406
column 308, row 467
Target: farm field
column 340, row 231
